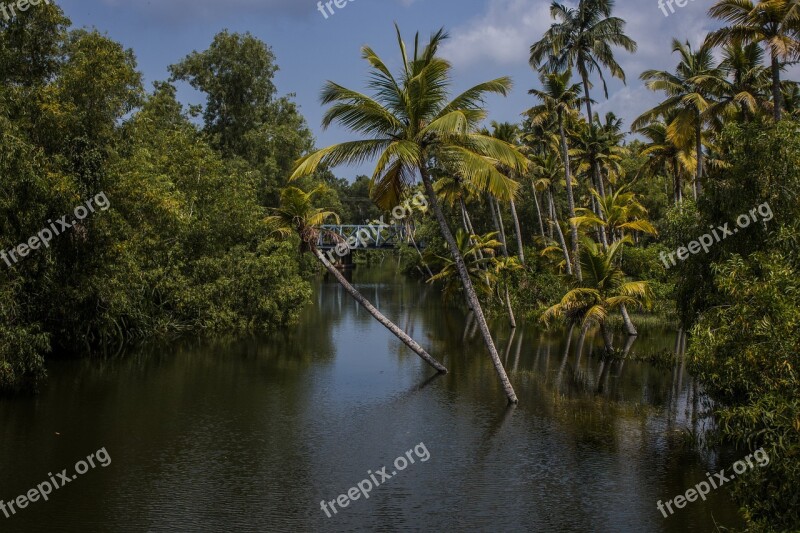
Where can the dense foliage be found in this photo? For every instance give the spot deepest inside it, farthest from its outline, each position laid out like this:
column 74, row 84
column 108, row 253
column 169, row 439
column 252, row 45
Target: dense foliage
column 181, row 243
column 746, row 343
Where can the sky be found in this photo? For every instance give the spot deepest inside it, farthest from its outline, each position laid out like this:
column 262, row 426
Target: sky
column 488, row 39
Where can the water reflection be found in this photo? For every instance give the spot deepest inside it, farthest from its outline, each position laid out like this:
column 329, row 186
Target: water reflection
column 250, row 434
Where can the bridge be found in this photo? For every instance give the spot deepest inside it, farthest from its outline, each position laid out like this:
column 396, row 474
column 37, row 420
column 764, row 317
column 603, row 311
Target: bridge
column 362, row 236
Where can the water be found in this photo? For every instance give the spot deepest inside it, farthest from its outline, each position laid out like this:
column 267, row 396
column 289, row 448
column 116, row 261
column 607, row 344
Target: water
column 251, row 435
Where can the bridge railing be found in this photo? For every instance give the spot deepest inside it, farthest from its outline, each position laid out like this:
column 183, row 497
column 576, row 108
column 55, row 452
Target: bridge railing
column 361, row 236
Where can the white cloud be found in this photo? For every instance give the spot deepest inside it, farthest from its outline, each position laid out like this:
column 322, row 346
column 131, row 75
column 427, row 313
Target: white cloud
column 501, row 35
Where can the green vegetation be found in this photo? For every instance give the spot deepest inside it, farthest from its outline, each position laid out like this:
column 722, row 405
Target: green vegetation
column 559, row 218
column 183, row 246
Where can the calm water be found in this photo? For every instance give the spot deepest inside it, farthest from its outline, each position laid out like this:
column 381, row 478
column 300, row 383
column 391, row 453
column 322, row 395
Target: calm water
column 251, row 435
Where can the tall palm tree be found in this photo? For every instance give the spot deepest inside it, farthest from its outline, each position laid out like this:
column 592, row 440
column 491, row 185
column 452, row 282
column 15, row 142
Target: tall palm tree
column 604, row 288
column 297, row 214
column 742, row 86
column 582, row 38
column 772, row 23
column 688, row 100
column 663, row 155
column 510, row 133
column 408, row 125
column 559, row 99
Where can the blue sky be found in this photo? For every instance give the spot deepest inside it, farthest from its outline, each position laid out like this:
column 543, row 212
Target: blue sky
column 489, row 38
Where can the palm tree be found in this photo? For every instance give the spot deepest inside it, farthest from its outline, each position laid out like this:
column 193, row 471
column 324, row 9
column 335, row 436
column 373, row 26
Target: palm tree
column 622, row 212
column 510, row 133
column 559, row 100
column 478, row 252
column 688, row 100
column 546, row 170
column 297, row 214
column 596, row 149
column 582, row 38
column 408, row 125
column 663, row 155
column 604, row 288
column 772, row 23
column 742, row 89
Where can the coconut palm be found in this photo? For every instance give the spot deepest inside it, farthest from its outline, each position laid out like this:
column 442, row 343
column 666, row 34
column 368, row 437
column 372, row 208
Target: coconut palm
column 772, row 23
column 298, row 215
column 582, row 38
column 663, row 155
column 559, row 99
column 688, row 102
column 510, row 133
column 622, row 212
column 547, row 171
column 479, row 253
column 742, row 89
column 597, row 153
column 603, row 289
column 409, row 124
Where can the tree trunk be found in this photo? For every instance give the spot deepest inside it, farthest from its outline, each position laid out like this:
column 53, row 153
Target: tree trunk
column 538, row 210
column 570, row 199
column 518, row 231
column 551, row 210
column 562, row 240
column 678, row 184
column 498, row 225
column 601, row 189
column 511, row 318
column 421, row 258
column 467, row 284
column 699, row 149
column 629, row 327
column 388, row 324
column 777, row 97
column 608, row 338
column 585, row 80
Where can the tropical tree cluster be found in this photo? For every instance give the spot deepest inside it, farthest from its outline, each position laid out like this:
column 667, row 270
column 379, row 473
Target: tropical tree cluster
column 184, row 245
column 568, row 214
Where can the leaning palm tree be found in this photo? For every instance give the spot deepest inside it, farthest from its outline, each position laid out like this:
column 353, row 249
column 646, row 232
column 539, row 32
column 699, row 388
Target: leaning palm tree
column 559, row 99
column 772, row 23
column 604, row 288
column 298, row 215
column 689, row 100
column 409, row 125
column 582, row 38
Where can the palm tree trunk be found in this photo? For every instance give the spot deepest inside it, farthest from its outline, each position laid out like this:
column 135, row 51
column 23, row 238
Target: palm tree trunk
column 470, row 227
column 511, row 318
column 472, row 297
column 538, row 210
column 421, row 258
column 777, row 97
column 570, row 198
column 520, row 251
column 678, row 184
column 608, row 338
column 562, row 240
column 699, row 149
column 551, row 211
column 497, row 224
column 630, row 329
column 399, row 333
column 585, row 80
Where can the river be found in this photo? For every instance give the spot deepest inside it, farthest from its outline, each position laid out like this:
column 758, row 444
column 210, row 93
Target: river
column 252, row 434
